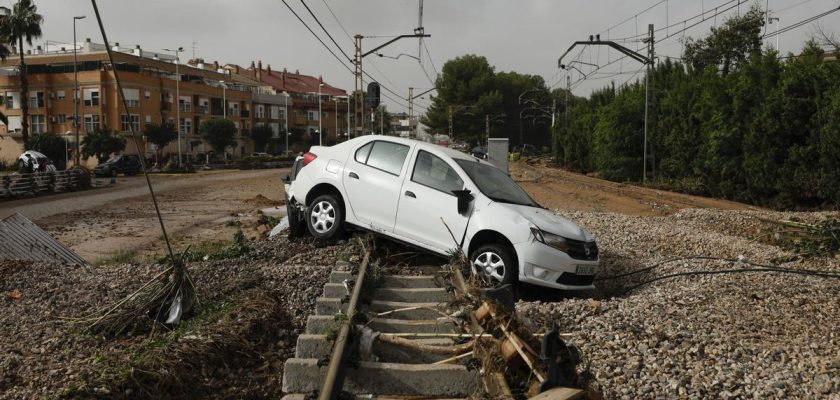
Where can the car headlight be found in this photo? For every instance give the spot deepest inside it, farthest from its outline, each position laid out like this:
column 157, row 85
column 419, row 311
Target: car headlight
column 550, row 239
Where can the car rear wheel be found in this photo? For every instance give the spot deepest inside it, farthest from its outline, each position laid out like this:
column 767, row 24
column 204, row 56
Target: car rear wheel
column 494, row 263
column 323, row 217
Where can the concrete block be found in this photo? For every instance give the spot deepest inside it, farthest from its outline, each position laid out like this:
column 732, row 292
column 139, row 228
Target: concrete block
column 329, row 306
column 410, row 295
column 411, row 326
column 313, row 346
column 321, row 324
column 340, row 276
column 335, row 290
column 433, row 380
column 400, row 281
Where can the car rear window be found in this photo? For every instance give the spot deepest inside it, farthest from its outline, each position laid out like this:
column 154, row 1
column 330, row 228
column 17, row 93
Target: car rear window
column 362, row 153
column 387, row 156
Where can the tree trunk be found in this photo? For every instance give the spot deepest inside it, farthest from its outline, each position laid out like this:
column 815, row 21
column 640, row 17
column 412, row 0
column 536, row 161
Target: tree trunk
column 24, row 94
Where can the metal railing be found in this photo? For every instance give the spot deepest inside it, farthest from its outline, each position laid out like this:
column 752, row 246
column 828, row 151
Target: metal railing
column 29, row 185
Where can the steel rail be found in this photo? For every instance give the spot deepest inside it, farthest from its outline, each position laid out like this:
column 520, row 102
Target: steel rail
column 334, row 379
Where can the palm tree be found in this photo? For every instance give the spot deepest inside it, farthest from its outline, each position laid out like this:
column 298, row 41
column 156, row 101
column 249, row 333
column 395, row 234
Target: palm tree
column 23, row 24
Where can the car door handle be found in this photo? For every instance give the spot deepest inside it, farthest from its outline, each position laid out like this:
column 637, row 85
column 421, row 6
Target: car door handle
column 354, row 175
column 410, row 194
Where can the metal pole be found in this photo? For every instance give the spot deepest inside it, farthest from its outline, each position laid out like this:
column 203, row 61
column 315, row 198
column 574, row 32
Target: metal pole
column 349, row 135
column 381, row 121
column 450, row 123
column 487, row 126
column 647, row 101
column 224, row 100
column 410, row 109
column 320, row 115
column 336, row 118
column 286, row 119
column 359, row 123
column 177, row 104
column 76, row 94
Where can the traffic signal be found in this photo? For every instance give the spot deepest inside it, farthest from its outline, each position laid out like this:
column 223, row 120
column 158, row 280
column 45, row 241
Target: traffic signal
column 373, row 94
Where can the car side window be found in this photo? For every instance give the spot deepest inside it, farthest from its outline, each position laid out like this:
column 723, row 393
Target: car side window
column 387, row 156
column 362, row 153
column 431, row 171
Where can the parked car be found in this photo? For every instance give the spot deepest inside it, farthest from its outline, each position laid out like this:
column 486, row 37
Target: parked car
column 417, row 193
column 31, row 161
column 480, row 152
column 128, row 164
column 525, row 150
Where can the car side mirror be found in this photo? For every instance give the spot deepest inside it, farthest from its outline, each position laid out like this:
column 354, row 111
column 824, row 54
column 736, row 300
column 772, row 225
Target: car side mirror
column 464, row 199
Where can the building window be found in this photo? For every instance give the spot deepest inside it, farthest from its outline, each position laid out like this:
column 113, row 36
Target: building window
column 91, row 97
column 148, row 95
column 186, row 126
column 260, row 111
column 91, row 122
column 184, row 104
column 234, row 109
column 148, row 119
column 39, row 124
column 132, row 97
column 134, row 121
column 62, row 118
column 36, row 99
column 312, row 115
column 60, row 94
column 10, row 100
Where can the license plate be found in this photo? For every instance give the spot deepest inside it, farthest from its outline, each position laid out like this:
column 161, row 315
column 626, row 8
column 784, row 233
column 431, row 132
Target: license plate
column 585, row 270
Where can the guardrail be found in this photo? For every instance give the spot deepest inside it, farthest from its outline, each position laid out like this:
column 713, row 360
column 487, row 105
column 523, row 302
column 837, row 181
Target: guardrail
column 29, row 185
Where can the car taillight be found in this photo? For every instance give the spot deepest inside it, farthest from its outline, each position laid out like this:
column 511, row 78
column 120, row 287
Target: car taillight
column 308, row 158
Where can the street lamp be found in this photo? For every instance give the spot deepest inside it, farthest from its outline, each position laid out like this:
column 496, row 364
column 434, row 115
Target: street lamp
column 177, row 100
column 286, row 118
column 76, row 91
column 320, row 114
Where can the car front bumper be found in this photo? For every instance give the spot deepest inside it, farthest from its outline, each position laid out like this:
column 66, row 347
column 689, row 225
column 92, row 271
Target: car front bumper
column 546, row 266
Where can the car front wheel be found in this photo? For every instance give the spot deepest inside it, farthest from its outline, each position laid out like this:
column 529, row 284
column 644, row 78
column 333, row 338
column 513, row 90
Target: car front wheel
column 323, row 217
column 494, row 263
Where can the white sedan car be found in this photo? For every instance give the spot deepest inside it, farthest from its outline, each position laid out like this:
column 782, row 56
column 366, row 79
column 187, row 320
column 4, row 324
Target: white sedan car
column 436, row 198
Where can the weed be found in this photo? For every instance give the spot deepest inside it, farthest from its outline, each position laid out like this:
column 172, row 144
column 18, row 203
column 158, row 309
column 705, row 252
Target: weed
column 120, row 256
column 268, row 220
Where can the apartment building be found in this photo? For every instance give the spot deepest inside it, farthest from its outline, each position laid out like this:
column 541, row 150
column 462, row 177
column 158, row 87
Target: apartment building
column 155, row 93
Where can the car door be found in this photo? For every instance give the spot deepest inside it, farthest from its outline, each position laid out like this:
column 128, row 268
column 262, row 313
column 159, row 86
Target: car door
column 426, row 201
column 372, row 180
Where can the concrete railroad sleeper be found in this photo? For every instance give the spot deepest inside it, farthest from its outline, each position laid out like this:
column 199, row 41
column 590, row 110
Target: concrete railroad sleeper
column 401, row 306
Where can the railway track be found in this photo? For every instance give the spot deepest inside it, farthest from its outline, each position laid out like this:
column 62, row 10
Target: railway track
column 426, row 336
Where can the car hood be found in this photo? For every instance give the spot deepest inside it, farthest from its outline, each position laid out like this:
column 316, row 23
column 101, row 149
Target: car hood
column 550, row 222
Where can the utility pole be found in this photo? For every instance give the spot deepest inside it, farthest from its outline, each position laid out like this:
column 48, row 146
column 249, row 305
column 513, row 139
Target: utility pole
column 553, row 112
column 381, row 120
column 568, row 89
column 487, row 127
column 450, row 123
column 647, row 98
column 76, row 94
column 410, row 109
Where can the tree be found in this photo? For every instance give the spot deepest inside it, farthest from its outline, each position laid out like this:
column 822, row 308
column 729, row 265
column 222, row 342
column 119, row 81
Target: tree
column 729, row 45
column 101, row 143
column 261, row 134
column 23, row 24
column 161, row 135
column 218, row 133
column 51, row 145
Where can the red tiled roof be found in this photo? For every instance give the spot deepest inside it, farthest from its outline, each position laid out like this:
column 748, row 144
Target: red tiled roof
column 292, row 82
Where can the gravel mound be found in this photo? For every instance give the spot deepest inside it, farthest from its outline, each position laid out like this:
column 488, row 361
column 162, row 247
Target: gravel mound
column 45, row 354
column 743, row 335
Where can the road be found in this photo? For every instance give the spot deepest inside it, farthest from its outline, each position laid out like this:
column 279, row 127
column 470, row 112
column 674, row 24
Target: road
column 120, row 219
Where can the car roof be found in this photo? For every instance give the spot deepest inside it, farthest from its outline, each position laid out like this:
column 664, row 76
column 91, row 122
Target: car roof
column 422, row 145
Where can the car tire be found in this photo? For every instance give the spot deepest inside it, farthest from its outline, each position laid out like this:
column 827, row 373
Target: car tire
column 495, row 264
column 297, row 226
column 324, row 217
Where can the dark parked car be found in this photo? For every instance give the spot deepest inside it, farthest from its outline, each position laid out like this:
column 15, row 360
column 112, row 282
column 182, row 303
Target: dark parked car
column 128, row 164
column 479, row 152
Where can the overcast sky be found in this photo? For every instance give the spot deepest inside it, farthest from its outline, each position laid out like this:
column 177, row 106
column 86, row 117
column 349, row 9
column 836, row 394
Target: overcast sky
column 524, row 36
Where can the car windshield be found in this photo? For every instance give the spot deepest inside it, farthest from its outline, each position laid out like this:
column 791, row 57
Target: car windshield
column 495, row 184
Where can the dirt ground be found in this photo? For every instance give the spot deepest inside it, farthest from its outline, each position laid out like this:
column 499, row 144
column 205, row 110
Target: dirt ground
column 555, row 188
column 119, row 222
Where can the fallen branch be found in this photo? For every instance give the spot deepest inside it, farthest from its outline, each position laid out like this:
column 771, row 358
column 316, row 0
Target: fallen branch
column 427, row 348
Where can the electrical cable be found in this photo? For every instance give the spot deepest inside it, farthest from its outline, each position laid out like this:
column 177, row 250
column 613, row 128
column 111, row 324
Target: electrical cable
column 325, row 31
column 801, row 23
column 340, row 61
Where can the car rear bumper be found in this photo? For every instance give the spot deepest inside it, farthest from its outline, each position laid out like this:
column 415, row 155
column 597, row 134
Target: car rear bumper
column 546, row 266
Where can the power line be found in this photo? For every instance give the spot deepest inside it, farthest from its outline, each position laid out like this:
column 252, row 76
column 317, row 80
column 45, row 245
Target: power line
column 325, row 30
column 340, row 61
column 801, row 23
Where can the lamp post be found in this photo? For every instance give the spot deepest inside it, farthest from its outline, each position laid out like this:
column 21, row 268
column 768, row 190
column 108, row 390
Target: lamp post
column 286, row 118
column 320, row 114
column 177, row 99
column 66, row 146
column 76, row 91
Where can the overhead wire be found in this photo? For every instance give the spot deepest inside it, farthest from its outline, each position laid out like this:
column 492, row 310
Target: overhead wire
column 325, row 31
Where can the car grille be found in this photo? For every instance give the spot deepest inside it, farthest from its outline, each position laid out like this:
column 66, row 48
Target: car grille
column 580, row 250
column 568, row 278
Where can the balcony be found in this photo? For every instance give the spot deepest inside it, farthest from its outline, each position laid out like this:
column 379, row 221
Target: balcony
column 185, row 107
column 202, row 110
column 233, row 112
